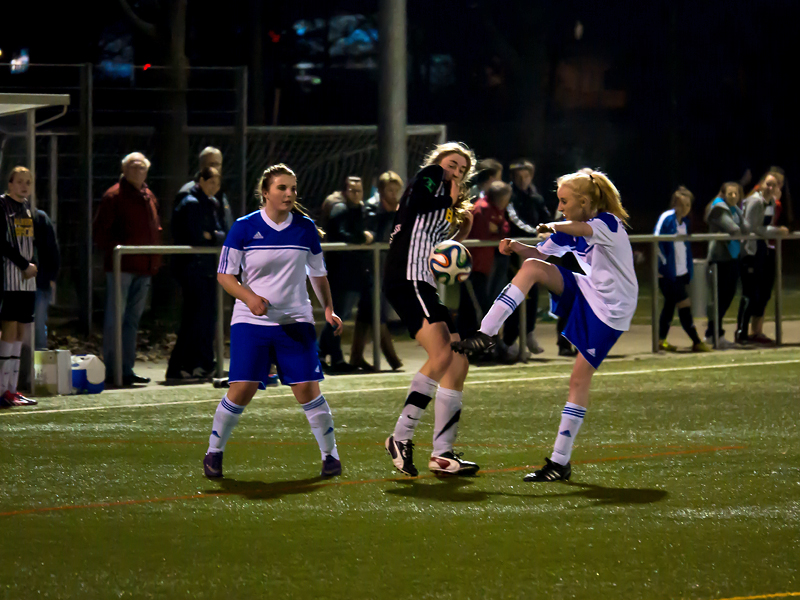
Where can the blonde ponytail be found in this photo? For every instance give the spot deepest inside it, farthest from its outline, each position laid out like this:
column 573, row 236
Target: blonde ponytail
column 596, row 187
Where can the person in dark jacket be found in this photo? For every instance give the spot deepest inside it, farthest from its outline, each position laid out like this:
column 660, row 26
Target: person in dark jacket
column 128, row 215
column 48, row 259
column 348, row 272
column 525, row 211
column 196, row 222
column 210, row 157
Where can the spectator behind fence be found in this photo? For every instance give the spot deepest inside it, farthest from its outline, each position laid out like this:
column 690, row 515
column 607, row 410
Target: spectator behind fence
column 723, row 215
column 48, row 258
column 211, row 157
column 487, row 171
column 196, row 222
column 489, row 223
column 758, row 260
column 526, row 211
column 675, row 271
column 19, row 287
column 128, row 215
column 348, row 273
column 379, row 220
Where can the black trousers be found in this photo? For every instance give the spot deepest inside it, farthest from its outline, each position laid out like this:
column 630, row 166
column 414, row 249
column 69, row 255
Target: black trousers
column 758, row 278
column 727, row 282
column 195, row 344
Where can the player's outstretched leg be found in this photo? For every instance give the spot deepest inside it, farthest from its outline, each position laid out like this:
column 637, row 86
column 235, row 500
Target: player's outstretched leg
column 399, row 445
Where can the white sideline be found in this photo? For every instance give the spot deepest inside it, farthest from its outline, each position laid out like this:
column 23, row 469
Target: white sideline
column 392, row 389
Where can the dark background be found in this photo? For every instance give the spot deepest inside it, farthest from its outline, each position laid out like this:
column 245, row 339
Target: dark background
column 657, row 94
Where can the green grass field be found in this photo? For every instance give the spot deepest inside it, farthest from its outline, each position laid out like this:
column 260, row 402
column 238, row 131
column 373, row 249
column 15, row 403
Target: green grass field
column 686, row 484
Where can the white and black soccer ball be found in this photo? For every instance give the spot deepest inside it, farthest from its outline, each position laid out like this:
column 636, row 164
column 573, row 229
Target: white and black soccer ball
column 450, row 262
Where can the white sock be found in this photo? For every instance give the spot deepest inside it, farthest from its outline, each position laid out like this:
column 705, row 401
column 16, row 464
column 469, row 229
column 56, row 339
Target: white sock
column 5, row 364
column 448, row 412
column 505, row 304
column 13, row 378
column 225, row 419
column 320, row 418
column 571, row 421
column 420, row 393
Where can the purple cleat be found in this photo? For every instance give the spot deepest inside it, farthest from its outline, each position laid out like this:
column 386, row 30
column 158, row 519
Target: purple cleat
column 331, row 467
column 212, row 465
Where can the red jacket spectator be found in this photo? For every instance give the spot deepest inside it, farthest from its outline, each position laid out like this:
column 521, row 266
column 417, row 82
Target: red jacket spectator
column 490, row 223
column 128, row 216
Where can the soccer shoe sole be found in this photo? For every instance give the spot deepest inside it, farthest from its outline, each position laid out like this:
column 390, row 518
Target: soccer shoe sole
column 397, row 460
column 446, row 467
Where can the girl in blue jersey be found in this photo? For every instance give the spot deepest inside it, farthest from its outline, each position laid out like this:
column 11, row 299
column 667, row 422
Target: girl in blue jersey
column 274, row 249
column 600, row 304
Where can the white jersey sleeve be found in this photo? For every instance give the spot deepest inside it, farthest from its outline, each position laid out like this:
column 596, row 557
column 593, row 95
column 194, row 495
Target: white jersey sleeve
column 230, row 259
column 602, row 226
column 558, row 244
column 315, row 262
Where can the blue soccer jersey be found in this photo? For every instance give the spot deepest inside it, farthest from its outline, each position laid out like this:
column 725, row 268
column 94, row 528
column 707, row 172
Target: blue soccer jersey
column 274, row 261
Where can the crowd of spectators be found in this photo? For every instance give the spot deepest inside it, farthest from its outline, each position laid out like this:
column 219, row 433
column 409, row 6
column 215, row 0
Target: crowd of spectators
column 129, row 214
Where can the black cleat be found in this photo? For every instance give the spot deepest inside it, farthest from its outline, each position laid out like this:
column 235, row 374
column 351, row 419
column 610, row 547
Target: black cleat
column 477, row 344
column 331, row 467
column 212, row 465
column 450, row 463
column 550, row 472
column 402, row 454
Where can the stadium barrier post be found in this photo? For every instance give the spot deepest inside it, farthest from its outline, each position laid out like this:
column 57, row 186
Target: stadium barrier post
column 376, row 309
column 654, row 299
column 778, row 291
column 715, row 303
column 118, row 316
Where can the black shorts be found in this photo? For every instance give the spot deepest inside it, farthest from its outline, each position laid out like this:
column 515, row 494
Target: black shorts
column 18, row 306
column 414, row 301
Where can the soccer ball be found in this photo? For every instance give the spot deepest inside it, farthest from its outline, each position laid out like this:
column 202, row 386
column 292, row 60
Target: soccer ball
column 450, row 262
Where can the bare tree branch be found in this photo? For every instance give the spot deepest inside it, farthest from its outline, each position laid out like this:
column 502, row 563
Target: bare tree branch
column 146, row 28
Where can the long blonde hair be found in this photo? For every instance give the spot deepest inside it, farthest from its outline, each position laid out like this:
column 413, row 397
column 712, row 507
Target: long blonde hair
column 596, row 187
column 267, row 176
column 437, row 155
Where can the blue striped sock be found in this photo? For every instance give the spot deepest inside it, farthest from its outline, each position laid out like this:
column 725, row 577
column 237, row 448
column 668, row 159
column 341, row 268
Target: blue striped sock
column 225, row 419
column 571, row 421
column 320, row 418
column 505, row 304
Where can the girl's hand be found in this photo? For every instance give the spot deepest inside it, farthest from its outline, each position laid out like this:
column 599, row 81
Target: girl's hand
column 507, row 246
column 257, row 305
column 31, row 271
column 334, row 320
column 545, row 229
column 454, row 189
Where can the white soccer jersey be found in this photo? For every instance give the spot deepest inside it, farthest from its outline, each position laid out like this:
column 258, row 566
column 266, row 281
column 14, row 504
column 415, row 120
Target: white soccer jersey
column 680, row 252
column 274, row 260
column 609, row 286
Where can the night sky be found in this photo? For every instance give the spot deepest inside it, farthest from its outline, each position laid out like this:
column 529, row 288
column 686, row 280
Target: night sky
column 658, row 94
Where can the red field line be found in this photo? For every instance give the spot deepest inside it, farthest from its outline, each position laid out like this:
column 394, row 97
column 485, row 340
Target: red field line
column 778, row 595
column 289, row 487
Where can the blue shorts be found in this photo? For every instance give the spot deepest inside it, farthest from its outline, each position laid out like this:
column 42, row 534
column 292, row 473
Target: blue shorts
column 593, row 338
column 291, row 348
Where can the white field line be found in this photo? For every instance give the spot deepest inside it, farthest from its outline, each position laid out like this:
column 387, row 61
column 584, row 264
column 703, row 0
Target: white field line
column 404, row 387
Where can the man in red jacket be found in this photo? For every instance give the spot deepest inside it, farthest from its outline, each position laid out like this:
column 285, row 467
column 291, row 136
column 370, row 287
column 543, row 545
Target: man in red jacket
column 128, row 215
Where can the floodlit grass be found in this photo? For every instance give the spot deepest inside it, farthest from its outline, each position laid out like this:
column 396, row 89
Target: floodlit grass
column 686, row 484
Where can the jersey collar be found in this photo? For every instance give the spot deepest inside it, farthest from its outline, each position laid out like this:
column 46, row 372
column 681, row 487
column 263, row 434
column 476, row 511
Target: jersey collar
column 273, row 224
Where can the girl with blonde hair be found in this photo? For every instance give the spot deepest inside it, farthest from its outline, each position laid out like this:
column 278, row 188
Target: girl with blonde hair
column 433, row 208
column 600, row 304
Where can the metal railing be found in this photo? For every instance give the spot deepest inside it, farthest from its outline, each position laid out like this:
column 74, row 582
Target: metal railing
column 376, row 250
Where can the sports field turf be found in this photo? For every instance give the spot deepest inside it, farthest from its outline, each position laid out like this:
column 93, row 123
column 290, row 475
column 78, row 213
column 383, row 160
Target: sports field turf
column 686, row 484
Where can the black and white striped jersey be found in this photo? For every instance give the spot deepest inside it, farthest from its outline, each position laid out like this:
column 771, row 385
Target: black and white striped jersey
column 423, row 219
column 19, row 233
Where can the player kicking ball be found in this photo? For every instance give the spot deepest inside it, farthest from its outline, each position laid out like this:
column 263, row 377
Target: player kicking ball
column 274, row 248
column 602, row 303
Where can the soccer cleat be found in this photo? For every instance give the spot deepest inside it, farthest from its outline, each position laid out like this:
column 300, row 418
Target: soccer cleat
column 666, row 346
column 24, row 401
column 331, row 467
column 701, row 347
column 567, row 351
column 551, row 471
column 212, row 465
column 477, row 344
column 449, row 463
column 13, row 399
column 402, row 454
